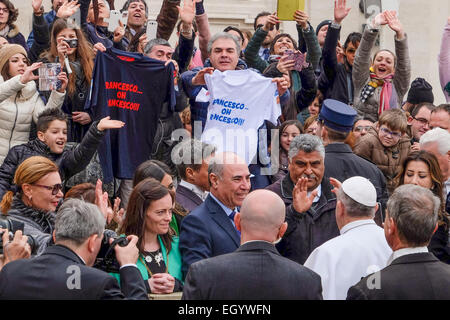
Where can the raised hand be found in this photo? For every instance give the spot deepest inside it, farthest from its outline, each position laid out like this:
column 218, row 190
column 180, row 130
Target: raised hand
column 67, row 9
column 379, row 20
column 301, row 18
column 99, row 47
column 199, row 78
column 272, row 20
column 336, row 185
column 119, row 32
column 300, row 200
column 187, row 13
column 101, row 199
column 394, row 23
column 340, row 10
column 118, row 214
column 28, row 75
column 107, row 123
column 36, row 4
column 142, row 43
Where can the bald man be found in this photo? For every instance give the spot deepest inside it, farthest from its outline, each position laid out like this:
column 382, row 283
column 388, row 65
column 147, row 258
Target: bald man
column 209, row 230
column 255, row 271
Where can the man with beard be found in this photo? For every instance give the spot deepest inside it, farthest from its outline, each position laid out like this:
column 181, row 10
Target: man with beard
column 259, row 22
column 310, row 204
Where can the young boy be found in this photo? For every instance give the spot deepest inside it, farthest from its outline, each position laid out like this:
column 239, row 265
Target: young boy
column 50, row 142
column 387, row 146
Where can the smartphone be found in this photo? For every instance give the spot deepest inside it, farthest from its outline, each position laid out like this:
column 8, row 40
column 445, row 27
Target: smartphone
column 152, row 27
column 114, row 17
column 287, row 8
column 298, row 57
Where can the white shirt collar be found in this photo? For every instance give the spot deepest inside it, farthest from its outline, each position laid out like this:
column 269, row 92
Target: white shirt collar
column 447, row 185
column 195, row 189
column 319, row 193
column 356, row 224
column 405, row 251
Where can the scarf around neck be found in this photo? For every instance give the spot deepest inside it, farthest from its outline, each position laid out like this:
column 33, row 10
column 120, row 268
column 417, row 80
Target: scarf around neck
column 46, row 220
column 386, row 101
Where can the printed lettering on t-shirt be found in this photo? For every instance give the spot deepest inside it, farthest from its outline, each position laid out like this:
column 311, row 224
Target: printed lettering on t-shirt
column 120, row 98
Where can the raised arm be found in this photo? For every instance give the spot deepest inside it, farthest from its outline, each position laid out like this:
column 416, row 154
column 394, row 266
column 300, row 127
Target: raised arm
column 444, row 61
column 306, row 32
column 167, row 18
column 204, row 33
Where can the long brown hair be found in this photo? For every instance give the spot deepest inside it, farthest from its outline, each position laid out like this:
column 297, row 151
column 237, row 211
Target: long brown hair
column 436, row 177
column 30, row 171
column 142, row 196
column 84, row 53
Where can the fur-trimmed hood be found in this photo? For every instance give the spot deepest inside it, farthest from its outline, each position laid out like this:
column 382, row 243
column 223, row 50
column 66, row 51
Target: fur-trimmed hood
column 13, row 31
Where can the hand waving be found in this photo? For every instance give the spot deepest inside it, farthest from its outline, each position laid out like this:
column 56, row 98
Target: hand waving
column 300, row 200
column 394, row 23
column 340, row 10
column 67, row 9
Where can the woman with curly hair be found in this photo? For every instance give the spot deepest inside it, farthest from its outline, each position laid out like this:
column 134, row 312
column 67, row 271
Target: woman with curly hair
column 8, row 30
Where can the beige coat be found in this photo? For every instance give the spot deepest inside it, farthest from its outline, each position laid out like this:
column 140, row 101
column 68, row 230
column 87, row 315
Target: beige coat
column 17, row 111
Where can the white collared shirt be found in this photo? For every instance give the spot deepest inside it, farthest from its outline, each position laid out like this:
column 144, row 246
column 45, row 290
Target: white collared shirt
column 405, row 251
column 195, row 189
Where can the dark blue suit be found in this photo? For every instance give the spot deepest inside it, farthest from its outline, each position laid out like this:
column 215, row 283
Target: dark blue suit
column 206, row 232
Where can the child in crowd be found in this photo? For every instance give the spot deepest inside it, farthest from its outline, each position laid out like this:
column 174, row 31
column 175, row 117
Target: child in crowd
column 386, row 144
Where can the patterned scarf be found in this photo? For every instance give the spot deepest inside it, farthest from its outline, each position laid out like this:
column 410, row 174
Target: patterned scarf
column 46, row 220
column 386, row 91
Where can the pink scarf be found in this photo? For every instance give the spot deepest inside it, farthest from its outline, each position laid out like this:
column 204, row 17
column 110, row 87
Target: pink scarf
column 386, row 94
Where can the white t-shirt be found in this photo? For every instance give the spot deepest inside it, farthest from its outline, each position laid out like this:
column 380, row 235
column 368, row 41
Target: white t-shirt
column 239, row 102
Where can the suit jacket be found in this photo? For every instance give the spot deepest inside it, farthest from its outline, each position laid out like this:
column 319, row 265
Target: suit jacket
column 418, row 276
column 188, row 199
column 60, row 274
column 255, row 271
column 206, row 232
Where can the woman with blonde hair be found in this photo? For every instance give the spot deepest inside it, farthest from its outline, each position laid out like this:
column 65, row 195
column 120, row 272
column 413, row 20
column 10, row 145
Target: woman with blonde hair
column 37, row 192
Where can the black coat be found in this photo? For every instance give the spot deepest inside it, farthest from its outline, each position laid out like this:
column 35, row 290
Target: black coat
column 53, row 276
column 255, row 271
column 308, row 230
column 70, row 161
column 341, row 163
column 335, row 77
column 418, row 276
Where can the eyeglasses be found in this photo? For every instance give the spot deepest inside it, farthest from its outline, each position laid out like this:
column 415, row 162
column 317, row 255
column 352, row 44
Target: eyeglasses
column 5, row 10
column 395, row 135
column 55, row 189
column 422, row 121
column 361, row 128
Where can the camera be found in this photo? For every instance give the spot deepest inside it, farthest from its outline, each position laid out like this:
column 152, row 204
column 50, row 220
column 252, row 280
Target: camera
column 106, row 258
column 12, row 226
column 73, row 43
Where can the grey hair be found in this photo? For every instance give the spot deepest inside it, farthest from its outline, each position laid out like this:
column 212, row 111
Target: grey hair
column 306, row 143
column 353, row 208
column 438, row 135
column 155, row 42
column 415, row 212
column 224, row 35
column 77, row 220
column 192, row 152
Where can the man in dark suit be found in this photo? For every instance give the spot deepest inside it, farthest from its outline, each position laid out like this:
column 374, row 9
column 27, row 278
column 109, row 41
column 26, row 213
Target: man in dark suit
column 255, row 271
column 192, row 166
column 64, row 270
column 209, row 230
column 412, row 272
column 341, row 163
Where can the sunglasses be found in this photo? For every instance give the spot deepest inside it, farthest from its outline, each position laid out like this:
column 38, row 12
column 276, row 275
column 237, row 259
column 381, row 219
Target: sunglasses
column 54, row 189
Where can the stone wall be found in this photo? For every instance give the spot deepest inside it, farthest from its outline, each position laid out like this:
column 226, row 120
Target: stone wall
column 423, row 21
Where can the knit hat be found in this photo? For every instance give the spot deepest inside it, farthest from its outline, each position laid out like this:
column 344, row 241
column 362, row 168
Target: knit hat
column 323, row 23
column 420, row 91
column 8, row 50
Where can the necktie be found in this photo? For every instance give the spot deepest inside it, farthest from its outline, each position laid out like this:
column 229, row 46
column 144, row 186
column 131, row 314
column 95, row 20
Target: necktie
column 231, row 216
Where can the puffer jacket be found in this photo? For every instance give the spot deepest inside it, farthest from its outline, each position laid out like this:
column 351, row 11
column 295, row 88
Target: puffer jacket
column 15, row 37
column 37, row 224
column 388, row 160
column 361, row 75
column 70, row 161
column 20, row 104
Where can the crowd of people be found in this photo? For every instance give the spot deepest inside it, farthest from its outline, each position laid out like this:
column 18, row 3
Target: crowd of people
column 258, row 165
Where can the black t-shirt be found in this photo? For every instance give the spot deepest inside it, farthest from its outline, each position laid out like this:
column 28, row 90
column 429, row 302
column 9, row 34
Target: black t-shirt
column 132, row 88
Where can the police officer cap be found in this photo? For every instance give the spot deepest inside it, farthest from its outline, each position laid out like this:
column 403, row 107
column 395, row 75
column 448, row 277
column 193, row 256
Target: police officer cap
column 361, row 190
column 337, row 115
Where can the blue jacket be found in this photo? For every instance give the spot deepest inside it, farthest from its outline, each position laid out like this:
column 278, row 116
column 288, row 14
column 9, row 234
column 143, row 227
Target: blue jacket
column 206, row 232
column 49, row 17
